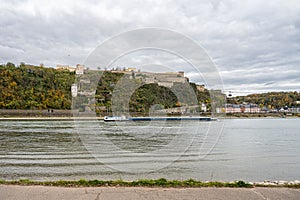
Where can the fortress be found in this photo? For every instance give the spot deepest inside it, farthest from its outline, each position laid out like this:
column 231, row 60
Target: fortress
column 165, row 79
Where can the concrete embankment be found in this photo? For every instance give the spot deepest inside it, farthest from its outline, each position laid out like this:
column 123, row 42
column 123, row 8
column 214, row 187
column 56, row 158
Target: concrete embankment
column 46, row 114
column 15, row 192
column 35, row 113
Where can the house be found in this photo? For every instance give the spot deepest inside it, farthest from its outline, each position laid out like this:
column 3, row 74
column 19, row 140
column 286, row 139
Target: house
column 252, row 108
column 80, row 69
column 264, row 110
column 233, row 108
column 74, row 90
column 242, row 108
column 200, row 88
column 203, row 107
column 294, row 110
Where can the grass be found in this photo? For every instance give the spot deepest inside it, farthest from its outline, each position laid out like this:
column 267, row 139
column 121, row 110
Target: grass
column 162, row 182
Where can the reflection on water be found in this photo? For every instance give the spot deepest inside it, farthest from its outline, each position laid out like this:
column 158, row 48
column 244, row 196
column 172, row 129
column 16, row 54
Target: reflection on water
column 249, row 149
column 141, row 138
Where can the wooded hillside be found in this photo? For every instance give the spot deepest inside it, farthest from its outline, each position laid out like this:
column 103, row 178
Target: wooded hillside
column 33, row 87
column 271, row 100
column 37, row 87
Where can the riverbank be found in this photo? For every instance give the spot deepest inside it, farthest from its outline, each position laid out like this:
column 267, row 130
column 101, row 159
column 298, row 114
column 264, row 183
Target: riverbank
column 162, row 182
column 53, row 113
column 17, row 113
column 48, row 118
column 51, row 118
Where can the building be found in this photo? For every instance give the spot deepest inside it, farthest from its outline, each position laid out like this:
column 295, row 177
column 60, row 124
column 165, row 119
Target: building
column 177, row 110
column 80, row 69
column 203, row 107
column 241, row 108
column 65, row 67
column 148, row 80
column 232, row 108
column 165, row 84
column 74, row 90
column 130, row 69
column 294, row 110
column 166, row 79
column 251, row 108
column 200, row 88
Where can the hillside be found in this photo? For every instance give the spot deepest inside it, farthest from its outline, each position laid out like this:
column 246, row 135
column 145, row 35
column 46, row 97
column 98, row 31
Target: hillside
column 33, row 87
column 271, row 100
column 37, row 87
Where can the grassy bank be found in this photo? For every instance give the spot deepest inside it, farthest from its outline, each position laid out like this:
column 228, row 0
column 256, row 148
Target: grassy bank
column 142, row 183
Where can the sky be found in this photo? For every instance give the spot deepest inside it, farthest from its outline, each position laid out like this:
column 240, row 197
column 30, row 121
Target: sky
column 255, row 45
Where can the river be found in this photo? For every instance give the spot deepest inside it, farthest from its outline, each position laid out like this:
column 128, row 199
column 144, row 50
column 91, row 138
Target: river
column 223, row 150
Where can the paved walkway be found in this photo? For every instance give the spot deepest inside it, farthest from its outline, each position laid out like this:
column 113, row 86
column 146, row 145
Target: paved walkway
column 12, row 192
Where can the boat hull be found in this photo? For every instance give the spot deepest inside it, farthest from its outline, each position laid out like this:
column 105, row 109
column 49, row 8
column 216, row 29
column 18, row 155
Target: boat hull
column 171, row 119
column 116, row 118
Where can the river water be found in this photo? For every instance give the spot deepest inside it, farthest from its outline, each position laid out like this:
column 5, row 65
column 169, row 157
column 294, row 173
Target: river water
column 223, row 150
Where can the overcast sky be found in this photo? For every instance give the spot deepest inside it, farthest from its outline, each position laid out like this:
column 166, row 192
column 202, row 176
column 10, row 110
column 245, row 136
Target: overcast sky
column 254, row 44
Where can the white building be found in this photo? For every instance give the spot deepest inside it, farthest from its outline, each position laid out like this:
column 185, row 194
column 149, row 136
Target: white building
column 74, row 90
column 203, row 107
column 80, row 69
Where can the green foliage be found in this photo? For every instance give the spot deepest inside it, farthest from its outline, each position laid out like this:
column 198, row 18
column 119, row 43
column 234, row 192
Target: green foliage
column 162, row 182
column 26, row 182
column 36, row 87
column 33, row 87
column 242, row 184
column 151, row 94
column 148, row 96
column 271, row 100
column 106, row 87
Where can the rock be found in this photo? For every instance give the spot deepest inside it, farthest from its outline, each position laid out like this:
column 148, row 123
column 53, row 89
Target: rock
column 282, row 182
column 297, row 182
column 259, row 183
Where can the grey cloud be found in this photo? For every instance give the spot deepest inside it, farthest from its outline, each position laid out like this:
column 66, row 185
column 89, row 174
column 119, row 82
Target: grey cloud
column 262, row 37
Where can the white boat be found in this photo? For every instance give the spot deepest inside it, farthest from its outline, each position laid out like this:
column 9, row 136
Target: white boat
column 114, row 118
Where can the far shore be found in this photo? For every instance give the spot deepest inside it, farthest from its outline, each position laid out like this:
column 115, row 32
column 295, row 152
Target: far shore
column 40, row 118
column 54, row 118
column 52, row 114
column 162, row 182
